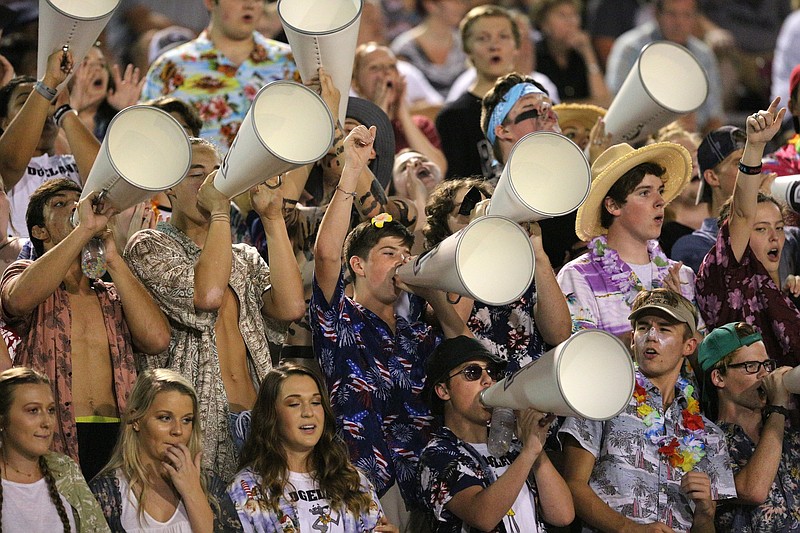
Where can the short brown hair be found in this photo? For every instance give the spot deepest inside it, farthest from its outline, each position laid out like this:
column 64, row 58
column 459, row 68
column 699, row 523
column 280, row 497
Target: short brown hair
column 485, row 11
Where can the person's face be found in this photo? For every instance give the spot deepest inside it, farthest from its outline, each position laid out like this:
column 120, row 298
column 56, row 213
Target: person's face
column 236, row 19
column 533, row 112
column 204, row 160
column 576, row 132
column 168, row 422
column 28, row 429
column 659, row 346
column 455, row 220
column 767, row 237
column 464, row 395
column 561, row 22
column 377, row 70
column 18, row 97
column 97, row 71
column 677, row 19
column 642, row 215
column 726, row 171
column 423, row 169
column 739, row 387
column 375, row 274
column 57, row 215
column 492, row 49
column 301, row 417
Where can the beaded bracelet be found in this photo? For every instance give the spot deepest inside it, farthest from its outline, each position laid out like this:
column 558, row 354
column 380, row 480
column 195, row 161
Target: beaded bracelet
column 751, row 171
column 59, row 113
column 47, row 92
column 351, row 194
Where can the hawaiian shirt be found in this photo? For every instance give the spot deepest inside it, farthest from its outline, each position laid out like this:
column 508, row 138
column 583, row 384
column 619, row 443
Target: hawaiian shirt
column 509, row 331
column 257, row 516
column 600, row 287
column 164, row 260
column 45, row 346
column 70, row 484
column 780, row 513
column 449, row 465
column 785, row 161
column 630, row 474
column 221, row 91
column 743, row 291
column 375, row 377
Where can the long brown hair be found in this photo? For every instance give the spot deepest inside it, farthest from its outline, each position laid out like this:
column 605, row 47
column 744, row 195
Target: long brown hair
column 9, row 381
column 264, row 452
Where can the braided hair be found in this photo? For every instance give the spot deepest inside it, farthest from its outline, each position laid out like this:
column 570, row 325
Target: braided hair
column 9, row 381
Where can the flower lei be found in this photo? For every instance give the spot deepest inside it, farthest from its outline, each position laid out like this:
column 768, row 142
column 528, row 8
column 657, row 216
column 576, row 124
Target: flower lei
column 620, row 273
column 682, row 452
column 380, row 219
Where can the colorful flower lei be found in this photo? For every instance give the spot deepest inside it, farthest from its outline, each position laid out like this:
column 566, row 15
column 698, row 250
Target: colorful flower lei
column 688, row 447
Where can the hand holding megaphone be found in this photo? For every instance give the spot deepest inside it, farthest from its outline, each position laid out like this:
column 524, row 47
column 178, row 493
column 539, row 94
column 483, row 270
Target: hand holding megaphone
column 776, row 389
column 267, row 200
column 92, row 214
column 59, row 66
column 210, row 200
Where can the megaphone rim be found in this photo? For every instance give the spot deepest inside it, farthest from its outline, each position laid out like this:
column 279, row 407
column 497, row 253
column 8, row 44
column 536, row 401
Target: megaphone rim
column 138, row 107
column 520, row 197
column 466, row 230
column 646, row 89
column 561, row 361
column 261, row 140
column 73, row 16
column 326, row 32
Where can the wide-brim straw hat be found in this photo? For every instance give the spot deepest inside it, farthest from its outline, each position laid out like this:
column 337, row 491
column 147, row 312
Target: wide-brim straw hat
column 584, row 114
column 618, row 160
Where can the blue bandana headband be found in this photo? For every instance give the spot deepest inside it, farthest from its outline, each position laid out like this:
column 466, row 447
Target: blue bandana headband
column 504, row 106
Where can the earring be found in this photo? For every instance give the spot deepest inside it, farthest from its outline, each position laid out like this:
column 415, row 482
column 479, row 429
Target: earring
column 136, row 427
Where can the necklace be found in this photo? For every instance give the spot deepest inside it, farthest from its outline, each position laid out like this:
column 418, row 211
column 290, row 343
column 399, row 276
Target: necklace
column 687, row 447
column 15, row 469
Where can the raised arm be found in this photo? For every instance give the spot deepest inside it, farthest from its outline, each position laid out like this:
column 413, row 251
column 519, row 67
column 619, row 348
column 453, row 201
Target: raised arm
column 416, row 138
column 761, row 127
column 550, row 313
column 82, row 142
column 336, row 222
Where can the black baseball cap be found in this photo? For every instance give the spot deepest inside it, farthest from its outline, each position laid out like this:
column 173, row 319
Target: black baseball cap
column 716, row 146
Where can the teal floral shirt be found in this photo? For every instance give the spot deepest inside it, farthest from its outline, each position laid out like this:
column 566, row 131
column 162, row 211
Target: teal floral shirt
column 220, row 90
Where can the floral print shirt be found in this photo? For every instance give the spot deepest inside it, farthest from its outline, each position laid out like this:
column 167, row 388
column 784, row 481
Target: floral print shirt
column 71, row 485
column 600, row 287
column 46, row 336
column 780, row 513
column 630, row 474
column 220, row 90
column 374, row 377
column 449, row 465
column 256, row 515
column 734, row 291
column 785, row 161
column 164, row 259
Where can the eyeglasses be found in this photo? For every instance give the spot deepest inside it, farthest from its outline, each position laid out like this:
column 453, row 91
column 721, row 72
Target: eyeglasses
column 752, row 367
column 474, row 372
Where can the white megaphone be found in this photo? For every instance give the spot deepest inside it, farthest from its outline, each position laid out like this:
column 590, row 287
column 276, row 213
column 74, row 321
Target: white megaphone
column 791, row 380
column 590, row 375
column 287, row 126
column 665, row 83
column 323, row 33
column 72, row 24
column 145, row 151
column 491, row 260
column 786, row 189
column 546, row 175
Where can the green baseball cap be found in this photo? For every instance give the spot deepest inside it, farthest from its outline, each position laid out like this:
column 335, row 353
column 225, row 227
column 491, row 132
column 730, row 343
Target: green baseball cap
column 721, row 342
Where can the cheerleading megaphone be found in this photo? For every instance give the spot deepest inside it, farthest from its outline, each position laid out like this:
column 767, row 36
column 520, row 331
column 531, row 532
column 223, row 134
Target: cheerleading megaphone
column 490, row 260
column 791, row 380
column 590, row 375
column 145, row 151
column 547, row 175
column 786, row 189
column 71, row 24
column 323, row 34
column 665, row 83
column 287, row 126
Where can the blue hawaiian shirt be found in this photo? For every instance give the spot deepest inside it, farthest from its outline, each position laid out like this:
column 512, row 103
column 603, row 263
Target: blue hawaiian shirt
column 221, row 91
column 375, row 377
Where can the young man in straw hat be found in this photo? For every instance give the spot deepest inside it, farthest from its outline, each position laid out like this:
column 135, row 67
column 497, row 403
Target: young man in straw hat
column 746, row 395
column 659, row 465
column 622, row 218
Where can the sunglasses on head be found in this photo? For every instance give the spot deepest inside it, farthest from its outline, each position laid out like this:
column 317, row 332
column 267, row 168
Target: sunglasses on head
column 474, row 371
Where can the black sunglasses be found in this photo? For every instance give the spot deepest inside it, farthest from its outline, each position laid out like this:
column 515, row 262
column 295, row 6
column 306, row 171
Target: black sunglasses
column 474, row 372
column 752, row 367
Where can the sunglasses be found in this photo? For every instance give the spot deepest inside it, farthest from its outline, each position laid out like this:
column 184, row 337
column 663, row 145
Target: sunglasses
column 474, row 372
column 752, row 367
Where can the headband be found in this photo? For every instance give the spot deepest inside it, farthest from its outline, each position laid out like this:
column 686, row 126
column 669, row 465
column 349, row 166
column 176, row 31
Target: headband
column 504, row 106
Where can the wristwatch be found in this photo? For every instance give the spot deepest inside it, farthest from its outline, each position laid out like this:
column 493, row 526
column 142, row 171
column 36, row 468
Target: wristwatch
column 768, row 410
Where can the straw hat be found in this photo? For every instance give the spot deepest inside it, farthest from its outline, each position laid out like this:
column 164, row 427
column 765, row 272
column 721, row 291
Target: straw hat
column 618, row 160
column 584, row 114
